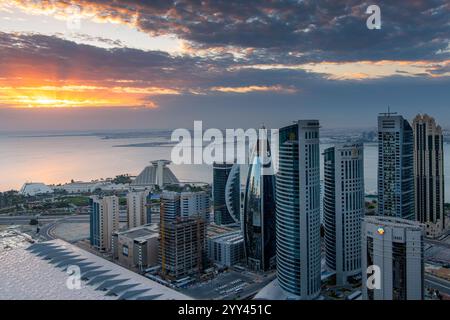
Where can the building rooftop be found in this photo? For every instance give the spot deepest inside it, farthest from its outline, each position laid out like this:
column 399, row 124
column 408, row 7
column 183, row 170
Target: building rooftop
column 146, row 231
column 39, row 272
column 214, row 230
column 149, row 176
column 229, row 238
column 393, row 222
column 32, row 189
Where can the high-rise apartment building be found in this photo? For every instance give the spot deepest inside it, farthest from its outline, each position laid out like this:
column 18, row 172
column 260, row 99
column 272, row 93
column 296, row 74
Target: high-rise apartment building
column 392, row 259
column 298, row 210
column 395, row 167
column 343, row 209
column 226, row 193
column 429, row 174
column 170, row 205
column 138, row 208
column 104, row 220
column 182, row 250
column 186, row 204
column 195, row 204
column 259, row 210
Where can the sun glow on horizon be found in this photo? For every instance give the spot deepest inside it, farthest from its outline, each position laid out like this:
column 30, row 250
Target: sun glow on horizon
column 79, row 96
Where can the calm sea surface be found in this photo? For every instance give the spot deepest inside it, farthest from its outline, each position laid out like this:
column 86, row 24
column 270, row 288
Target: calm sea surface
column 59, row 159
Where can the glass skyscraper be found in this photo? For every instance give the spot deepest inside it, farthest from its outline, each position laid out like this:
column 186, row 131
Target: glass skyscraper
column 298, row 210
column 395, row 167
column 226, row 193
column 259, row 211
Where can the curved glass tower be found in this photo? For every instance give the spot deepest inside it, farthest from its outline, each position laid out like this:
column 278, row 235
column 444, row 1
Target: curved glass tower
column 226, row 193
column 259, row 211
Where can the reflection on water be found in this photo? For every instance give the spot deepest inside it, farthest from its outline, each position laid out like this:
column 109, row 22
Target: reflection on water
column 60, row 159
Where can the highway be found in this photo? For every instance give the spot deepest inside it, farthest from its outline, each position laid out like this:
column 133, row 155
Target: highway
column 48, row 223
column 437, row 283
column 20, row 220
column 438, row 243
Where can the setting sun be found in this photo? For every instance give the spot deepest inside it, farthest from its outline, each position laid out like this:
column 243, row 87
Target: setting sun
column 75, row 96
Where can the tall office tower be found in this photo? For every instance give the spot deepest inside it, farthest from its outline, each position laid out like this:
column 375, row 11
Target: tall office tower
column 195, row 204
column 138, row 209
column 298, row 210
column 259, row 210
column 429, row 174
column 104, row 220
column 226, row 193
column 343, row 209
column 395, row 167
column 392, row 249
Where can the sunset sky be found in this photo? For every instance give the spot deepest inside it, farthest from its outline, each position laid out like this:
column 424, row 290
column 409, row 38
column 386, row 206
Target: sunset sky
column 97, row 64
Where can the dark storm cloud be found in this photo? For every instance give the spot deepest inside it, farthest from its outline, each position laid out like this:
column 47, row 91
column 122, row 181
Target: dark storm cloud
column 316, row 29
column 55, row 59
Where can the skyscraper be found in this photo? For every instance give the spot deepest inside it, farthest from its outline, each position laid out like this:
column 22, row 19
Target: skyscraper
column 226, row 193
column 259, row 210
column 138, row 210
column 343, row 209
column 104, row 220
column 395, row 167
column 392, row 249
column 298, row 210
column 429, row 174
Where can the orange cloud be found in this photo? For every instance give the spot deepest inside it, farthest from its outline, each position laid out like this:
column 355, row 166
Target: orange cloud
column 359, row 70
column 248, row 89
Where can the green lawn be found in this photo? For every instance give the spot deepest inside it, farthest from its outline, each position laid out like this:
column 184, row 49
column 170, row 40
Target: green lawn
column 79, row 201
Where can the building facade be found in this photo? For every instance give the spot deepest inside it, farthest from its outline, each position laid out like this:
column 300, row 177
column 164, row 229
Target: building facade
column 138, row 208
column 259, row 211
column 396, row 194
column 298, row 210
column 393, row 256
column 182, row 250
column 343, row 209
column 104, row 220
column 226, row 193
column 429, row 174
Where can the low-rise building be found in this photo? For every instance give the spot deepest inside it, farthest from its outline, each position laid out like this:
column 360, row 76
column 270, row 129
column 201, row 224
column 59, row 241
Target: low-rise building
column 33, row 189
column 225, row 246
column 137, row 247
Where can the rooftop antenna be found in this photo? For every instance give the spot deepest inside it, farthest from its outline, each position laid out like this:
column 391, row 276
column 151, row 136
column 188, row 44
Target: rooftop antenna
column 388, row 113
